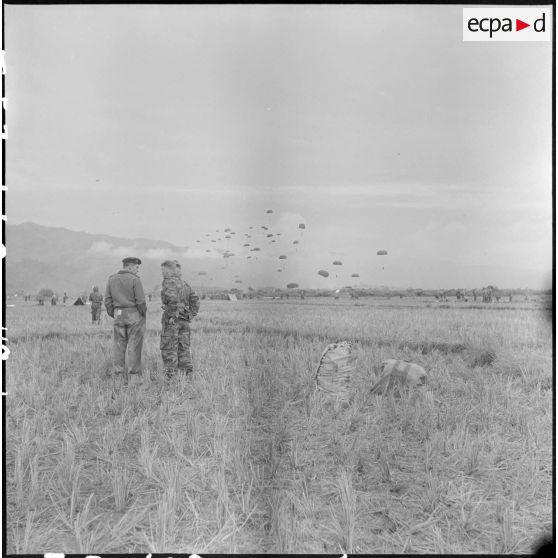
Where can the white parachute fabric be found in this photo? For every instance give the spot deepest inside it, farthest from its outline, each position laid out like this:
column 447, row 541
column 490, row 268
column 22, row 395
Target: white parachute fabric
column 333, row 374
column 397, row 374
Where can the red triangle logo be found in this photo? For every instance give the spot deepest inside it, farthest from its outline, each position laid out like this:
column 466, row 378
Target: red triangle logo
column 519, row 25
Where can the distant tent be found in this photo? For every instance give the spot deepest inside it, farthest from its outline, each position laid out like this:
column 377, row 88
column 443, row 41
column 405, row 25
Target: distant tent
column 78, row 301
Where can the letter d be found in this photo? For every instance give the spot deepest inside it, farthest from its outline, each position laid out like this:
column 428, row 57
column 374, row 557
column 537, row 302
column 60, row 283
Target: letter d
column 542, row 21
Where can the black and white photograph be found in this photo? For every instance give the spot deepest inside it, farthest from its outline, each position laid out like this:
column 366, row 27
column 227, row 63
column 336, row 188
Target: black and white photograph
column 278, row 279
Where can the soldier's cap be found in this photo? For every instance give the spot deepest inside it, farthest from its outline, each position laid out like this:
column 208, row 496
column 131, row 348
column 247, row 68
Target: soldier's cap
column 127, row 261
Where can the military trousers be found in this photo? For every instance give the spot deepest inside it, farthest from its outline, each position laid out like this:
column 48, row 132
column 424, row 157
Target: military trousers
column 96, row 312
column 175, row 346
column 128, row 333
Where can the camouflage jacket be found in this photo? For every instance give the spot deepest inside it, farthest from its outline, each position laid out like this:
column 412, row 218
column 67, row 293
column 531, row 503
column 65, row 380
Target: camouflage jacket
column 178, row 299
column 96, row 299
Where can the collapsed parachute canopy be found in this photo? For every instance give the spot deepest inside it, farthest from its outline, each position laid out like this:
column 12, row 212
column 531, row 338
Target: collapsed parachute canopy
column 337, row 262
column 355, row 275
column 302, row 226
column 292, row 285
column 282, row 257
column 269, row 211
column 381, row 253
column 323, row 273
column 295, row 242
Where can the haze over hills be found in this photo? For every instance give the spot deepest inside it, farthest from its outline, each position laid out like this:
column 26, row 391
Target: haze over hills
column 70, row 261
column 64, row 260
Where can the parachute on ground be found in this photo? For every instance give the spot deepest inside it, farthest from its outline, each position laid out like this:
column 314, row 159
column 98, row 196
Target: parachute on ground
column 227, row 230
column 279, row 271
column 355, row 275
column 302, row 226
column 323, row 273
column 213, row 241
column 337, row 262
column 282, row 257
column 208, row 250
column 244, row 245
column 238, row 281
column 255, row 250
column 381, row 253
column 228, row 236
column 264, row 228
column 295, row 242
column 292, row 285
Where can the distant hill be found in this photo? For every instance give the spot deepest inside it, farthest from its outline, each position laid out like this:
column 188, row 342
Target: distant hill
column 64, row 260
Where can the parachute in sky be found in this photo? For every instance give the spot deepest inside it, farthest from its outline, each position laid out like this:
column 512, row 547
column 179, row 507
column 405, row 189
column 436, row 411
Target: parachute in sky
column 302, row 226
column 337, row 262
column 295, row 242
column 381, row 253
column 279, row 271
column 208, row 250
column 269, row 211
column 228, row 236
column 255, row 250
column 202, row 273
column 264, row 228
column 323, row 273
column 227, row 230
column 292, row 285
column 283, row 257
column 213, row 240
column 269, row 235
column 198, row 240
column 355, row 275
column 238, row 281
column 244, row 245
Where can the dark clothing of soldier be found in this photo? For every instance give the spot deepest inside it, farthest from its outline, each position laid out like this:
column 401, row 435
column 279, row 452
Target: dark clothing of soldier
column 96, row 299
column 125, row 302
column 180, row 305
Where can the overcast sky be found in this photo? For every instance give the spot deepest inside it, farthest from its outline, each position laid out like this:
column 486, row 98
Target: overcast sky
column 376, row 126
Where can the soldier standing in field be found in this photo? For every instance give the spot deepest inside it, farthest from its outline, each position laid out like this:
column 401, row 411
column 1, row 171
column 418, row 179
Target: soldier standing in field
column 125, row 302
column 96, row 299
column 180, row 305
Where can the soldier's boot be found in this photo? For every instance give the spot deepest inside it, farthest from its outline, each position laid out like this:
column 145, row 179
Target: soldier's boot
column 170, row 372
column 136, row 379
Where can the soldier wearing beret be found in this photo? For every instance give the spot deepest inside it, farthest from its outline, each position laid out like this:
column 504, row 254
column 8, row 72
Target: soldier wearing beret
column 125, row 302
column 180, row 305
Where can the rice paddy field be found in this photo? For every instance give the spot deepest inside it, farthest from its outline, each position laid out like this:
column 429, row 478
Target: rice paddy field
column 248, row 456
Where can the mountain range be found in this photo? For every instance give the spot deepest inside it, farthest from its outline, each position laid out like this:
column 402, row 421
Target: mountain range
column 69, row 261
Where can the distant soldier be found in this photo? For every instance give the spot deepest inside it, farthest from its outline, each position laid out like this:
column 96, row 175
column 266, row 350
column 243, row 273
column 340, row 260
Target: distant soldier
column 149, row 296
column 65, row 298
column 180, row 305
column 96, row 299
column 125, row 302
column 53, row 300
column 510, row 297
column 474, row 295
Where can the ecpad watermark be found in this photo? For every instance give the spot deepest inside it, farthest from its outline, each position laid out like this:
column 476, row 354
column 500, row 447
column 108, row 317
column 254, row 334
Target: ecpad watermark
column 507, row 24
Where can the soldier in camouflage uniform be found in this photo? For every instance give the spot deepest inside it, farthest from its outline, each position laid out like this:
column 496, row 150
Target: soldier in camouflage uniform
column 96, row 299
column 180, row 305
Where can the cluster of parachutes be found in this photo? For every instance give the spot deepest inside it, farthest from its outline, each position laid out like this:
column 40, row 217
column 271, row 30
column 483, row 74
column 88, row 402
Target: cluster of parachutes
column 254, row 236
